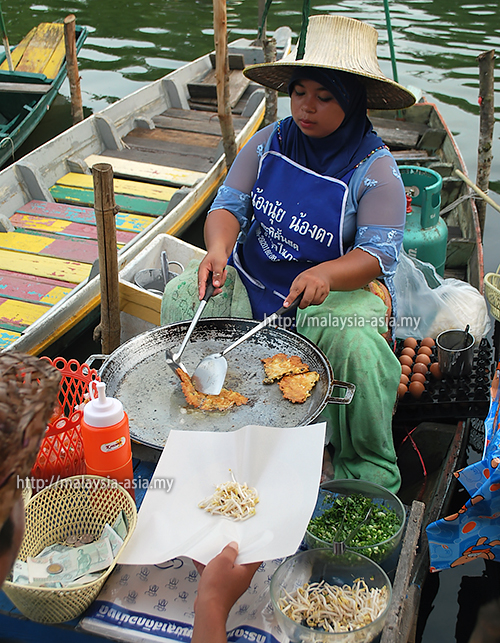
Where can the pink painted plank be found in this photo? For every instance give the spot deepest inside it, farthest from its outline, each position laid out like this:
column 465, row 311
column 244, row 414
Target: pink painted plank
column 81, row 230
column 75, row 213
column 64, row 248
column 27, row 288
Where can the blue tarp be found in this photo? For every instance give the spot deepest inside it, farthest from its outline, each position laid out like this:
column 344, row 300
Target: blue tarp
column 474, row 532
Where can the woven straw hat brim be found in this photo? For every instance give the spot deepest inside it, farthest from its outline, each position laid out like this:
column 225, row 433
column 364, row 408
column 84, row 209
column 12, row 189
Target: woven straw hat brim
column 28, row 390
column 381, row 93
column 342, row 44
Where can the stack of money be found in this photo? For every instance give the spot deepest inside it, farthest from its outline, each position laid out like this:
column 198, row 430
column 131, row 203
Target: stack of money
column 81, row 559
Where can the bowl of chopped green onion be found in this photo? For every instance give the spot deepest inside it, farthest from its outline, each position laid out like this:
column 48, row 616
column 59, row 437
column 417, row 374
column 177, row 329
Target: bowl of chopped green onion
column 322, row 597
column 363, row 515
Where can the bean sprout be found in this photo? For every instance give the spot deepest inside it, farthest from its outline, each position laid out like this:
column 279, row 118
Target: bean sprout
column 232, row 500
column 334, row 608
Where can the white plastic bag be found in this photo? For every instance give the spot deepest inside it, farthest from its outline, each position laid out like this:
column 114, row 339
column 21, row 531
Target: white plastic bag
column 427, row 304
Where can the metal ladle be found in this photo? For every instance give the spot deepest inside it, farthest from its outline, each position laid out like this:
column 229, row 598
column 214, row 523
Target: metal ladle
column 209, row 375
column 173, row 359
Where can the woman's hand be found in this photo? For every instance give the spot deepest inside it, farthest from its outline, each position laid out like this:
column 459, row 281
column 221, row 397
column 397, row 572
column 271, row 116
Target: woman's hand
column 315, row 285
column 222, row 582
column 214, row 263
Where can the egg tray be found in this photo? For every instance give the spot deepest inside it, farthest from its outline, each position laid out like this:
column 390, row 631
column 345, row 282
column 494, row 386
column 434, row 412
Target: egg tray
column 451, row 398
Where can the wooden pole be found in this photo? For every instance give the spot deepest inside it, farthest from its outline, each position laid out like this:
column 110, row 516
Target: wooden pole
column 72, row 68
column 5, row 40
column 222, row 78
column 271, row 113
column 105, row 210
column 472, row 185
column 486, row 125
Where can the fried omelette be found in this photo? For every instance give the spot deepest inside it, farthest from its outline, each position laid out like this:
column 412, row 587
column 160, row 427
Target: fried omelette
column 280, row 365
column 225, row 400
column 297, row 388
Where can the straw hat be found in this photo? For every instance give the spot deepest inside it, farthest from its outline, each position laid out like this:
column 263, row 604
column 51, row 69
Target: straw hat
column 344, row 44
column 28, row 391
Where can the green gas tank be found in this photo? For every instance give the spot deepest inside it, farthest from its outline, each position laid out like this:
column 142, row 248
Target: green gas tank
column 426, row 233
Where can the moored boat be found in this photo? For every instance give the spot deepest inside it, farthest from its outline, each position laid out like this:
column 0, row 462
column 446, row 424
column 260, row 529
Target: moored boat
column 165, row 147
column 29, row 88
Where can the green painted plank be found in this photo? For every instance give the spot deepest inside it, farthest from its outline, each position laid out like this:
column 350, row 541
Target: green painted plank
column 135, row 205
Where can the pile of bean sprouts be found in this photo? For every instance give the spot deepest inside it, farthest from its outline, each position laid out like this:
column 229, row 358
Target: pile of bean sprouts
column 232, row 500
column 334, row 608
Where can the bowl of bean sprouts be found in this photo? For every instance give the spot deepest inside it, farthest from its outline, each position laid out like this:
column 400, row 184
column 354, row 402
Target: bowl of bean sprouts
column 322, row 597
column 363, row 515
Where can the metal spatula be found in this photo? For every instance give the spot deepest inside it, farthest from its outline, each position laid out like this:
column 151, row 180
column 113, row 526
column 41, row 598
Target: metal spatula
column 173, row 359
column 209, row 375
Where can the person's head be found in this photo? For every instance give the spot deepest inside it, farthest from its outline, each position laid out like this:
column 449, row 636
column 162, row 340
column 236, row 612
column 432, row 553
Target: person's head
column 341, row 46
column 28, row 390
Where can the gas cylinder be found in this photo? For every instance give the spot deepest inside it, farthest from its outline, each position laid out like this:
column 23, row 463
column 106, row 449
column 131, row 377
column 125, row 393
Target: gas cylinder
column 106, row 438
column 426, row 233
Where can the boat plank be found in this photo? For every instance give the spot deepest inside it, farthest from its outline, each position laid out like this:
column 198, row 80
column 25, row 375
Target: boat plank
column 17, row 315
column 174, row 149
column 181, row 158
column 121, row 186
column 72, row 271
column 174, row 137
column 84, row 215
column 61, row 227
column 134, row 205
column 206, row 88
column 14, row 285
column 7, row 337
column 156, row 173
column 209, row 125
column 38, row 53
column 59, row 247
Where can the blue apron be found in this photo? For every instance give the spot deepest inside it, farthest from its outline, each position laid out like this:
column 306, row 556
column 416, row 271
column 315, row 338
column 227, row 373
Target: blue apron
column 298, row 222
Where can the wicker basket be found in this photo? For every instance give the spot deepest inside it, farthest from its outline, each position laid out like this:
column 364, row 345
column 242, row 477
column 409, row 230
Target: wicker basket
column 76, row 505
column 492, row 292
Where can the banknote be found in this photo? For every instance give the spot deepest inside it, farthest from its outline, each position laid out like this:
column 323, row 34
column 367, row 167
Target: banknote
column 120, row 525
column 114, row 539
column 66, row 566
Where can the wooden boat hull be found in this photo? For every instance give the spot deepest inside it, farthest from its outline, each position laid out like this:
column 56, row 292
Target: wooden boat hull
column 25, row 96
column 136, row 136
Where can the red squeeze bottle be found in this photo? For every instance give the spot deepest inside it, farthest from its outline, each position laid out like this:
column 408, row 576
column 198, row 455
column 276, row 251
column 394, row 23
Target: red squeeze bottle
column 106, row 438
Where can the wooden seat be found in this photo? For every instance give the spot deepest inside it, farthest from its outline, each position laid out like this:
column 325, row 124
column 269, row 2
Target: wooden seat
column 42, row 51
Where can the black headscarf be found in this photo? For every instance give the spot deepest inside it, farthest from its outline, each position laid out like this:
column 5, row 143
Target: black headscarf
column 333, row 155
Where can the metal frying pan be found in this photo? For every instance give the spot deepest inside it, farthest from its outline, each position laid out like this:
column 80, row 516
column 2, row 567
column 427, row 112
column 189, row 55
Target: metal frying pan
column 151, row 394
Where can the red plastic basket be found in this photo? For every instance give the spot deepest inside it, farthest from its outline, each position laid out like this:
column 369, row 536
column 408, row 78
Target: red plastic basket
column 61, row 451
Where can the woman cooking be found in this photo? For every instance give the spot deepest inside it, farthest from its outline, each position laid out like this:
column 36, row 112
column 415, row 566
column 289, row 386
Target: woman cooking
column 314, row 205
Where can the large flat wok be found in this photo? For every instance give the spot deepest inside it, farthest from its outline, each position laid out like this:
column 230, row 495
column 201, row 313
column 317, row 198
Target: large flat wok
column 136, row 373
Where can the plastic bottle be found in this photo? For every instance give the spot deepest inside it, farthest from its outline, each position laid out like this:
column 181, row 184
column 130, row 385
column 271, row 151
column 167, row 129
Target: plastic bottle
column 106, row 438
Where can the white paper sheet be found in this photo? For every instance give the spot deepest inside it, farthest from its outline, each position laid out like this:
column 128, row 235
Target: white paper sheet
column 283, row 464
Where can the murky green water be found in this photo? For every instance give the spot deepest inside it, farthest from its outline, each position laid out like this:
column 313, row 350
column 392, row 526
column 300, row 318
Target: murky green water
column 135, row 42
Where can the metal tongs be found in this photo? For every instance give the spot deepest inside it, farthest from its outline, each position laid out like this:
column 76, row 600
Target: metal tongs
column 339, row 547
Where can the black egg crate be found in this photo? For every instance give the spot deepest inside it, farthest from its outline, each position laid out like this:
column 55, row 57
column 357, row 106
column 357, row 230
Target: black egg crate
column 457, row 398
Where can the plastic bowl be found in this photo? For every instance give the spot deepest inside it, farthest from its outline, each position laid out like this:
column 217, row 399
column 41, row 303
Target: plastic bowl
column 315, row 565
column 378, row 551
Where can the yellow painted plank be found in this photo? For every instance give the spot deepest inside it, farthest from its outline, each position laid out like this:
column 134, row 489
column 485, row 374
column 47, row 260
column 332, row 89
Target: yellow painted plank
column 147, row 171
column 24, row 242
column 121, row 186
column 39, row 50
column 55, row 295
column 72, row 271
column 21, row 312
column 7, row 337
column 56, row 60
column 19, row 50
column 45, row 224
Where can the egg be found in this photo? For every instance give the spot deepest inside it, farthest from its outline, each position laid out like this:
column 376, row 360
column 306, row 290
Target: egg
column 420, row 368
column 405, row 370
column 402, row 390
column 422, row 359
column 427, row 341
column 408, row 351
column 435, row 371
column 405, row 359
column 410, row 342
column 418, row 377
column 416, row 389
column 425, row 350
column 404, row 379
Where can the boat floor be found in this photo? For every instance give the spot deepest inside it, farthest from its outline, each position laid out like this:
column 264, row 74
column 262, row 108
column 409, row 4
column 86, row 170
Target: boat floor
column 53, row 245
